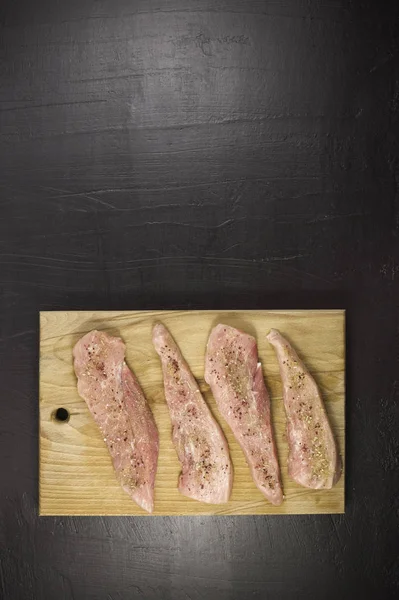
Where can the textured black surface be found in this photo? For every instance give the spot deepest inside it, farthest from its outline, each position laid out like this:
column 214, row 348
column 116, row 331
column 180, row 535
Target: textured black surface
column 220, row 153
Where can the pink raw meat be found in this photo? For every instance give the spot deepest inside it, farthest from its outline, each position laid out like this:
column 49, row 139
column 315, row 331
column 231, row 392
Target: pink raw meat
column 235, row 376
column 207, row 473
column 120, row 409
column 313, row 459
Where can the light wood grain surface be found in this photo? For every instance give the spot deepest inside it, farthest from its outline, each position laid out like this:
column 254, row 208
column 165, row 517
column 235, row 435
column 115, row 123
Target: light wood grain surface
column 76, row 475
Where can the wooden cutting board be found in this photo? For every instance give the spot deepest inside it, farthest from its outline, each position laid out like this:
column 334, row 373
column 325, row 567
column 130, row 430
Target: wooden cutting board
column 76, row 475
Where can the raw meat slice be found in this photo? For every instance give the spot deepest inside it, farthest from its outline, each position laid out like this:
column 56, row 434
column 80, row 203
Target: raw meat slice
column 120, row 409
column 235, row 376
column 313, row 459
column 207, row 473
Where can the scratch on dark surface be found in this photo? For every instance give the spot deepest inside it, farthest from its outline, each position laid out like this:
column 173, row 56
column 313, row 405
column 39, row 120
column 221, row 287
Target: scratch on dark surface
column 348, row 526
column 255, row 522
column 335, row 528
column 269, row 532
column 19, row 517
column 96, row 200
column 115, row 77
column 91, row 194
column 313, row 276
column 48, row 258
column 152, row 207
column 194, row 225
column 245, row 262
column 17, row 335
column 289, row 218
column 256, row 118
column 153, row 263
column 231, row 247
column 211, row 260
column 383, row 62
column 69, row 586
column 35, row 284
column 264, row 118
column 73, row 525
column 132, row 587
column 54, row 189
column 70, row 194
column 208, row 10
column 103, row 522
column 99, row 231
column 342, row 216
column 169, row 188
column 296, row 531
column 83, row 195
column 293, row 257
column 50, row 105
column 222, row 535
column 231, row 580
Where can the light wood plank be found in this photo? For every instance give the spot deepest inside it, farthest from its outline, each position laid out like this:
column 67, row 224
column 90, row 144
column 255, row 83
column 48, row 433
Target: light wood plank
column 76, row 475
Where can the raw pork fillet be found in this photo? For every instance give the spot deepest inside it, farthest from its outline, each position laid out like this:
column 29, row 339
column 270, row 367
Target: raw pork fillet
column 235, row 376
column 313, row 459
column 207, row 473
column 120, row 409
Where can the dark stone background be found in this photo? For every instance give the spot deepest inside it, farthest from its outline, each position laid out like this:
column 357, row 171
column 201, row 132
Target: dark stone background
column 188, row 153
